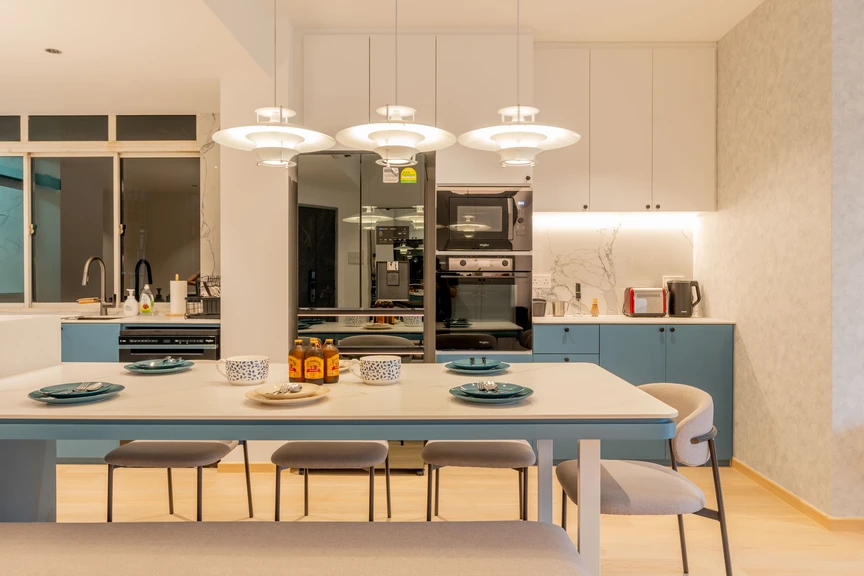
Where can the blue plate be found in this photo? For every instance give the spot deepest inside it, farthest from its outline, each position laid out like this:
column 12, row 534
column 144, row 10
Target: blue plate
column 478, row 364
column 505, row 390
column 158, row 364
column 154, row 371
column 68, row 390
column 498, row 369
column 40, row 397
column 457, row 393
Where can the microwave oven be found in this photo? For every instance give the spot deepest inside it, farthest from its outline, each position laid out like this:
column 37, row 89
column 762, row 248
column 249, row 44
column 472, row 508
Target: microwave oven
column 484, row 218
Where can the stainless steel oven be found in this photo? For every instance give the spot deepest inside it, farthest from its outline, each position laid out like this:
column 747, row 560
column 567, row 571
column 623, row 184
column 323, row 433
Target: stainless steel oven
column 483, row 303
column 484, row 218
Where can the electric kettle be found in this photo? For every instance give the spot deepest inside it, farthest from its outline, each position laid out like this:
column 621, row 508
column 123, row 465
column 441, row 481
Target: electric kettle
column 681, row 302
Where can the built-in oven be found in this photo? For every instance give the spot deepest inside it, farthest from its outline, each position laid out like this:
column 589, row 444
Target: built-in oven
column 187, row 342
column 484, row 218
column 483, row 303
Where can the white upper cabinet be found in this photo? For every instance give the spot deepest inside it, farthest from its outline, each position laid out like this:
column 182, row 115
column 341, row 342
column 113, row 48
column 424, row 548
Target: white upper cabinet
column 335, row 81
column 621, row 134
column 685, row 96
column 416, row 74
column 476, row 77
column 561, row 92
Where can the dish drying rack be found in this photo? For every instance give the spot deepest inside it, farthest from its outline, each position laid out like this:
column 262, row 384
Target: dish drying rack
column 206, row 304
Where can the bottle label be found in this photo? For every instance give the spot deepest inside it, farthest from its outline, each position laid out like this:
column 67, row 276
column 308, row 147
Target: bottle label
column 314, row 368
column 333, row 365
column 295, row 367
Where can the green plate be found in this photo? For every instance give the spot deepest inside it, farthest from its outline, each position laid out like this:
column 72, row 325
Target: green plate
column 498, row 369
column 505, row 390
column 40, row 397
column 158, row 364
column 465, row 364
column 67, row 390
column 526, row 392
column 158, row 371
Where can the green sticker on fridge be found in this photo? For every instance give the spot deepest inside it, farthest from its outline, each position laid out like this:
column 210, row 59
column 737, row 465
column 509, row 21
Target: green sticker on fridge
column 408, row 176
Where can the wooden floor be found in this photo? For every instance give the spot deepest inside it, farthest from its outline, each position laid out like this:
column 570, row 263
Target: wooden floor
column 768, row 537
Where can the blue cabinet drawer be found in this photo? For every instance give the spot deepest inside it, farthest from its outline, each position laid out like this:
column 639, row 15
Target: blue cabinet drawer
column 566, row 339
column 590, row 358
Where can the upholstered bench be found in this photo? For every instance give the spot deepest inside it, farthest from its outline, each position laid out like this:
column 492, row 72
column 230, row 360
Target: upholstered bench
column 297, row 548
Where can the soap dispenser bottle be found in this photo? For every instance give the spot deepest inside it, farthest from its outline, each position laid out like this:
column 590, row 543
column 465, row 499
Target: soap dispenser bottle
column 130, row 306
column 146, row 303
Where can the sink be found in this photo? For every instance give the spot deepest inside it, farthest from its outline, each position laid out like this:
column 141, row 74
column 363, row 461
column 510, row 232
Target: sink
column 93, row 317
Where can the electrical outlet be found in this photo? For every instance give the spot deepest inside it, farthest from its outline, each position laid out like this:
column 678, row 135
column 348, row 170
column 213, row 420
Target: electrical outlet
column 542, row 281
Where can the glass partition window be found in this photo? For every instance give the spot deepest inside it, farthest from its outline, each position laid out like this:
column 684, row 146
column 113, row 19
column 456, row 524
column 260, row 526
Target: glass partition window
column 10, row 128
column 160, row 205
column 68, row 128
column 11, row 229
column 156, row 127
column 73, row 215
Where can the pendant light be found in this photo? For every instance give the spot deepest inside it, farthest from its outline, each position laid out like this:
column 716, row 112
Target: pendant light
column 518, row 139
column 469, row 226
column 369, row 218
column 417, row 219
column 275, row 141
column 397, row 138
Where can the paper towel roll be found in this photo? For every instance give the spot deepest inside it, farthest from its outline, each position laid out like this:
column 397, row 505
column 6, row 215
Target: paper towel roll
column 178, row 297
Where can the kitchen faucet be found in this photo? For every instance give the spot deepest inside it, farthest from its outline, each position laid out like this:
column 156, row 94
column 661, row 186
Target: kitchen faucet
column 104, row 303
column 149, row 276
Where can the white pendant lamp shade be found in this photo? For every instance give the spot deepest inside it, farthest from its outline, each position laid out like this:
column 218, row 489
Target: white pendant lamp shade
column 274, row 140
column 396, row 140
column 368, row 219
column 469, row 226
column 518, row 139
column 417, row 219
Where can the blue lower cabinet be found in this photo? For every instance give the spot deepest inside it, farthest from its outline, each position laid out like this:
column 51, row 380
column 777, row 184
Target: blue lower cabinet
column 566, row 338
column 90, row 342
column 512, row 358
column 702, row 356
column 636, row 354
column 590, row 358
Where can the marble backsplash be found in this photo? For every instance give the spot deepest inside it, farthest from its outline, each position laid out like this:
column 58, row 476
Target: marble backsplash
column 608, row 258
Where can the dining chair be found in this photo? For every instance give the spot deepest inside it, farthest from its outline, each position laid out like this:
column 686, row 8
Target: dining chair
column 632, row 488
column 327, row 455
column 515, row 454
column 174, row 454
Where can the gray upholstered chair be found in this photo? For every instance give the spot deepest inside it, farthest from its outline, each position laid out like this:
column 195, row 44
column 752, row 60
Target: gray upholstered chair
column 170, row 454
column 515, row 454
column 631, row 488
column 326, row 455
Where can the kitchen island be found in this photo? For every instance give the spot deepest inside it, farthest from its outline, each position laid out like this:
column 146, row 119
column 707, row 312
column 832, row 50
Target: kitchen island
column 571, row 401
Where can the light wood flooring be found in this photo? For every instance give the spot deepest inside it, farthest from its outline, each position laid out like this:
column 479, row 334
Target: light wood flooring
column 768, row 537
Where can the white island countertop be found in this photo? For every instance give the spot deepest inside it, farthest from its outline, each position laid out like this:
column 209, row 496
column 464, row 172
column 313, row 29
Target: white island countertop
column 621, row 319
column 563, row 392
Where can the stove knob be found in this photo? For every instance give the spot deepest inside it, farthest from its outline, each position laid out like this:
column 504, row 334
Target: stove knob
column 462, row 263
column 504, row 263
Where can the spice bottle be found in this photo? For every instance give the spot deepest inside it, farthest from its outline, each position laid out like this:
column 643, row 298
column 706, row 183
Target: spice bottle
column 295, row 362
column 595, row 308
column 331, row 362
column 314, row 363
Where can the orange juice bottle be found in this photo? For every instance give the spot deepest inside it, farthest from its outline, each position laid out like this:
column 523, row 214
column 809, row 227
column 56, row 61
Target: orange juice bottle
column 331, row 362
column 314, row 363
column 295, row 362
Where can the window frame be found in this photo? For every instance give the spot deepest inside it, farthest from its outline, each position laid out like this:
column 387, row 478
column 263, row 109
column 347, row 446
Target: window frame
column 112, row 149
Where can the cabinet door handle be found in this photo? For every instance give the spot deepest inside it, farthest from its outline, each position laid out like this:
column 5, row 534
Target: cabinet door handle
column 647, row 206
column 672, row 329
column 584, row 206
column 658, row 206
column 662, row 329
column 566, row 359
column 566, row 329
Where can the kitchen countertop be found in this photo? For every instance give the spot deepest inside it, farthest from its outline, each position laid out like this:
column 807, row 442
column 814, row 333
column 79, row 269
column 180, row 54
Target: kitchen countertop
column 621, row 319
column 158, row 319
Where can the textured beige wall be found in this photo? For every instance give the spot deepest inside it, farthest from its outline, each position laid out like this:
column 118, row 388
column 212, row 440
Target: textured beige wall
column 764, row 259
column 848, row 258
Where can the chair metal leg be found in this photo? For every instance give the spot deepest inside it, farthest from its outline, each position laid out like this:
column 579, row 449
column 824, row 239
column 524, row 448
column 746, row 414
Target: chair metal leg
column 721, row 508
column 199, row 511
column 111, row 492
column 371, row 493
column 387, row 481
column 525, row 494
column 278, row 492
column 170, row 493
column 521, row 495
column 437, row 489
column 305, row 491
column 248, row 478
column 684, row 562
column 564, row 510
column 429, row 493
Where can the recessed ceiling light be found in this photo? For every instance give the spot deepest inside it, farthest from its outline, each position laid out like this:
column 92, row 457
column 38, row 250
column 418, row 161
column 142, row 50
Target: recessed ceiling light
column 53, row 51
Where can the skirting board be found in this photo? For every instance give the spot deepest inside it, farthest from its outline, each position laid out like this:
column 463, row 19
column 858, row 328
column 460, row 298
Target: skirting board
column 828, row 522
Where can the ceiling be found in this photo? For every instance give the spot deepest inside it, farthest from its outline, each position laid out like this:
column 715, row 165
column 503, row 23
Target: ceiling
column 551, row 20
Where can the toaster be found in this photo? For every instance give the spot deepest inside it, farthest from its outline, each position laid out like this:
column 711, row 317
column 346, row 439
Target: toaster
column 646, row 302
